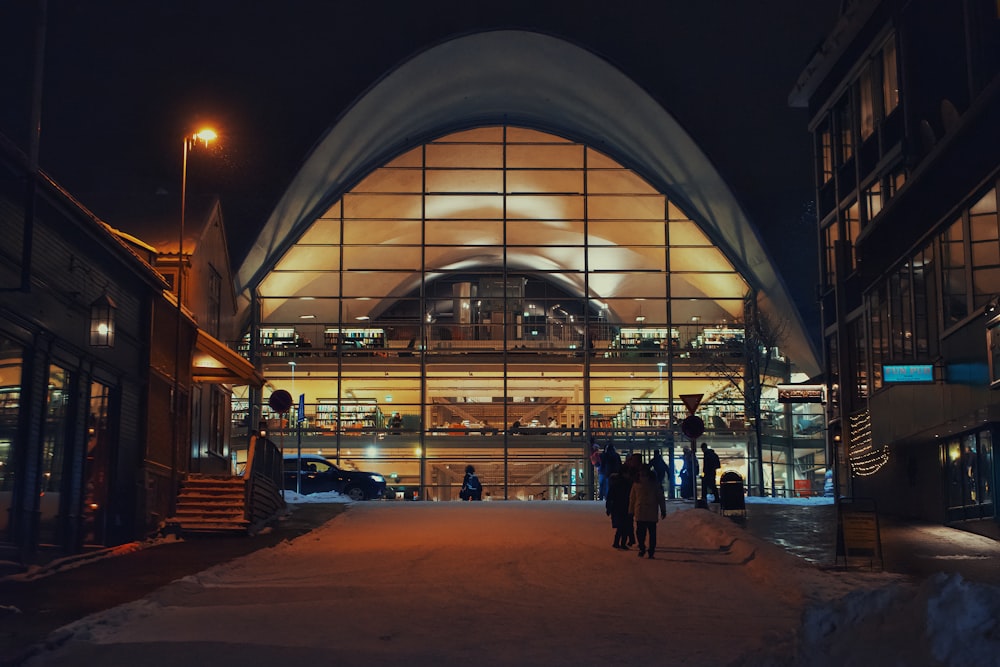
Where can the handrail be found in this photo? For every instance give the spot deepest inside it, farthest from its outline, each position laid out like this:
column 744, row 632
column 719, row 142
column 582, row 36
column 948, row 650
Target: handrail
column 264, row 462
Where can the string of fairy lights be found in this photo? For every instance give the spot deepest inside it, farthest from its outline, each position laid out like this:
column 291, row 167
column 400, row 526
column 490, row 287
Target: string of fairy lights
column 864, row 458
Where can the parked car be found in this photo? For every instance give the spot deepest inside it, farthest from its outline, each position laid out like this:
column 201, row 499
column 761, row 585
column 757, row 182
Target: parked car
column 316, row 474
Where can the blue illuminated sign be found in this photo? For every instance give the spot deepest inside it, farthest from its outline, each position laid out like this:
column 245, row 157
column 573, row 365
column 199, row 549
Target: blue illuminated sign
column 908, row 373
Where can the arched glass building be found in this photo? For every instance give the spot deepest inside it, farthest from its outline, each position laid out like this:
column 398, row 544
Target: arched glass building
column 504, row 251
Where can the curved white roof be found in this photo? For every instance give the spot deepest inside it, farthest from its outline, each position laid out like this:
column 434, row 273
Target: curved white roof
column 531, row 80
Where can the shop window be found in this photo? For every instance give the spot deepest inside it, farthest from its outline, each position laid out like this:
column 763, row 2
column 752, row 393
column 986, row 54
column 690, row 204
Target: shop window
column 969, row 473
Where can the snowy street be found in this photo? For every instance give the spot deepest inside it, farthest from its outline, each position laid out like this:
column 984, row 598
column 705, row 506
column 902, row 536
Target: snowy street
column 498, row 583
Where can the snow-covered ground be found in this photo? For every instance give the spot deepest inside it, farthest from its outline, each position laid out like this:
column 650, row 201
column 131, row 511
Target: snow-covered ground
column 503, row 583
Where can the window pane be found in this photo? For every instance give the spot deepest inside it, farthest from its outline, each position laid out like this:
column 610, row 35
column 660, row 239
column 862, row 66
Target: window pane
column 616, row 181
column 545, row 155
column 545, row 207
column 459, row 207
column 550, row 232
column 955, row 296
column 376, row 257
column 890, row 85
column 391, row 180
column 637, row 231
column 628, row 257
column 310, row 258
column 873, row 200
column 382, row 206
column 625, row 208
column 465, row 155
column 464, row 180
column 698, row 259
column 866, row 102
column 464, row 232
column 536, row 180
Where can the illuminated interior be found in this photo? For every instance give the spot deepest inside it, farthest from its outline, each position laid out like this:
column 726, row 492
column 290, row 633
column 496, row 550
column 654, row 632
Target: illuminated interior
column 499, row 296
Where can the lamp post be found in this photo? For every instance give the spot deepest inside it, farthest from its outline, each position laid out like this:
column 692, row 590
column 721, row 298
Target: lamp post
column 205, row 135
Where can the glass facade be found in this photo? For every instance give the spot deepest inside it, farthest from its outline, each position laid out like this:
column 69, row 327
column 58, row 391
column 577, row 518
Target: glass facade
column 502, row 296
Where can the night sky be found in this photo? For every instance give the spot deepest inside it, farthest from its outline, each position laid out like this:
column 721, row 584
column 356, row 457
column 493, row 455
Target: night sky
column 125, row 80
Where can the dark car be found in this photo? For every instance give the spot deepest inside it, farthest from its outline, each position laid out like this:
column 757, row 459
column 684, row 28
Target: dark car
column 316, row 474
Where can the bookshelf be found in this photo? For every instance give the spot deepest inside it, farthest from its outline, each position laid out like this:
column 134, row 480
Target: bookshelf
column 352, row 415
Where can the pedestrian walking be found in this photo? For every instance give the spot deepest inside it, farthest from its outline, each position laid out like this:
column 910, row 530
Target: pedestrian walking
column 471, row 488
column 710, row 465
column 647, row 506
column 616, row 505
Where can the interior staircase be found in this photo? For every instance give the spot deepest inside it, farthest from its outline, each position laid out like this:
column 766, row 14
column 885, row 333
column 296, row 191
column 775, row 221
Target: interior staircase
column 210, row 504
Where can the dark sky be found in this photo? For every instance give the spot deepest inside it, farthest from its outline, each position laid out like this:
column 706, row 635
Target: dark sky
column 124, row 81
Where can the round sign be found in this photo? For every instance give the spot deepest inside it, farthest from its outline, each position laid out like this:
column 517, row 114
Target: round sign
column 693, row 426
column 280, row 401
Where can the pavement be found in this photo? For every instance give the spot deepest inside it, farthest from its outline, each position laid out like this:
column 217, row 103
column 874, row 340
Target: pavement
column 33, row 607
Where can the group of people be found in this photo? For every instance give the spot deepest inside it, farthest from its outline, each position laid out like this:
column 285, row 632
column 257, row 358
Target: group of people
column 689, row 473
column 633, row 491
column 633, row 498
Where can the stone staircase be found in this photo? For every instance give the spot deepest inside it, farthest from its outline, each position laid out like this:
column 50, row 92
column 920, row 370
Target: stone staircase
column 210, row 504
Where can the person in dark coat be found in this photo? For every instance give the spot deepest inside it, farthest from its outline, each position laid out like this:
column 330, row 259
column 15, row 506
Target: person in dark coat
column 632, row 465
column 688, row 474
column 662, row 471
column 711, row 466
column 647, row 505
column 610, row 464
column 616, row 505
column 471, row 488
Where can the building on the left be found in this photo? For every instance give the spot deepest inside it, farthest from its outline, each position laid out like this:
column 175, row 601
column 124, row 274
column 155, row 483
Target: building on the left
column 104, row 378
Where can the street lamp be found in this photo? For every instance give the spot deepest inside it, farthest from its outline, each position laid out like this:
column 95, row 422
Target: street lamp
column 205, row 135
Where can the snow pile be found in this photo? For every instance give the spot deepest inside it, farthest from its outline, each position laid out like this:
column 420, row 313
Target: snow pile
column 945, row 620
column 293, row 498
